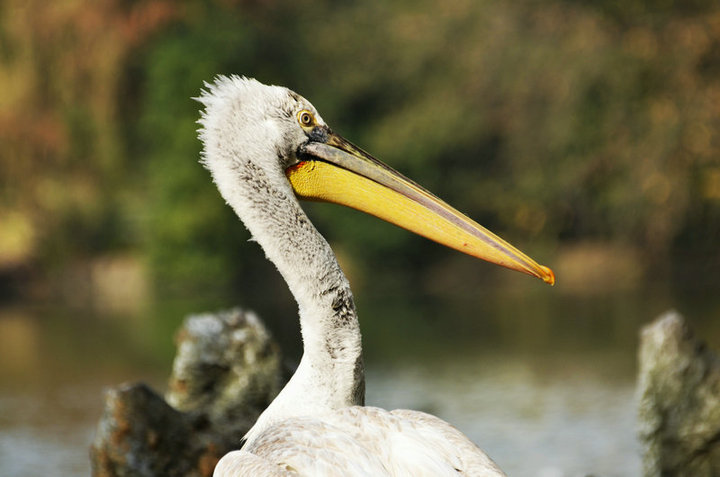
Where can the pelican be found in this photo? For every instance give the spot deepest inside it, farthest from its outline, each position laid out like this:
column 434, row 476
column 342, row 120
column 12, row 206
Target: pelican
column 266, row 147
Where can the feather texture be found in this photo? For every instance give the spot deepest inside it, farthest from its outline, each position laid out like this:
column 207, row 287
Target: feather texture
column 361, row 441
column 316, row 425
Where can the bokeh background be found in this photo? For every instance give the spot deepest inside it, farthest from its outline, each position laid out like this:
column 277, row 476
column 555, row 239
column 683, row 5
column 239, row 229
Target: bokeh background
column 585, row 132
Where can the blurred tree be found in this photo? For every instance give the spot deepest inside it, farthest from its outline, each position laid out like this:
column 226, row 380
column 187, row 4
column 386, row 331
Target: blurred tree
column 550, row 123
column 62, row 166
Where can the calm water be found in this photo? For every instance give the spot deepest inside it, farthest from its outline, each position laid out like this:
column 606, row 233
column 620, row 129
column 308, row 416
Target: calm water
column 544, row 382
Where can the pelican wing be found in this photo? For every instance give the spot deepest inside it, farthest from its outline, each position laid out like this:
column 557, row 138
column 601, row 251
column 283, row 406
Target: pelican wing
column 361, row 441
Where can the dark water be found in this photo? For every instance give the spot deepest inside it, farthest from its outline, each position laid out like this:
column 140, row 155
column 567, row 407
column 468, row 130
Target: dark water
column 544, row 382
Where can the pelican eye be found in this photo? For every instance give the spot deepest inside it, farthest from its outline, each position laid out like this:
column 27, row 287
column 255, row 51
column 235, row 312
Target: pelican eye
column 306, row 119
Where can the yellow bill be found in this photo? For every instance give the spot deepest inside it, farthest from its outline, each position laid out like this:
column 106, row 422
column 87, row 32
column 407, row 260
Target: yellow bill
column 336, row 171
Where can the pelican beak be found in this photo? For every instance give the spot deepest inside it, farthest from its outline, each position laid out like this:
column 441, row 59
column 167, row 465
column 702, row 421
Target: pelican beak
column 332, row 169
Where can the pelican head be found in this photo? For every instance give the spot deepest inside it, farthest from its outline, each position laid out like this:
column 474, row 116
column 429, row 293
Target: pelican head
column 278, row 137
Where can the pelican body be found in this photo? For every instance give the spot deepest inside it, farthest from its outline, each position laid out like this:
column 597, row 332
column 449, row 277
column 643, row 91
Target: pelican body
column 266, row 147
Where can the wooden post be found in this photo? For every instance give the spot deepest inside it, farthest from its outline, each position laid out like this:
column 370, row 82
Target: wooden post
column 679, row 408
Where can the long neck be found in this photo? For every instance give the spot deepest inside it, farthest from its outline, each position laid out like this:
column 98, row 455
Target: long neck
column 330, row 374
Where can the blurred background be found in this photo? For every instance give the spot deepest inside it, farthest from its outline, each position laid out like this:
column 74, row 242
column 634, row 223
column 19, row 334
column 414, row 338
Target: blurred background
column 584, row 132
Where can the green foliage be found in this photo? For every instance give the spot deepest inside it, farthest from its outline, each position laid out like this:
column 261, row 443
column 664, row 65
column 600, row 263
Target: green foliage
column 191, row 236
column 549, row 122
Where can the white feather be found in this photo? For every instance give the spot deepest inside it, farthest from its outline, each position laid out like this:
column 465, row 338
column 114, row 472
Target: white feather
column 316, row 425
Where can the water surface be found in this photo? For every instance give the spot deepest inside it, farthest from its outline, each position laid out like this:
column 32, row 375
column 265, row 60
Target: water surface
column 543, row 382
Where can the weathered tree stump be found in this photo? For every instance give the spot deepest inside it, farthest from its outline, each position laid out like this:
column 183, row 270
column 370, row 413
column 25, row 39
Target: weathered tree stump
column 679, row 408
column 226, row 371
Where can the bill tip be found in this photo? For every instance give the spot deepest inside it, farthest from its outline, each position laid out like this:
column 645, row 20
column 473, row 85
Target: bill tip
column 548, row 276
